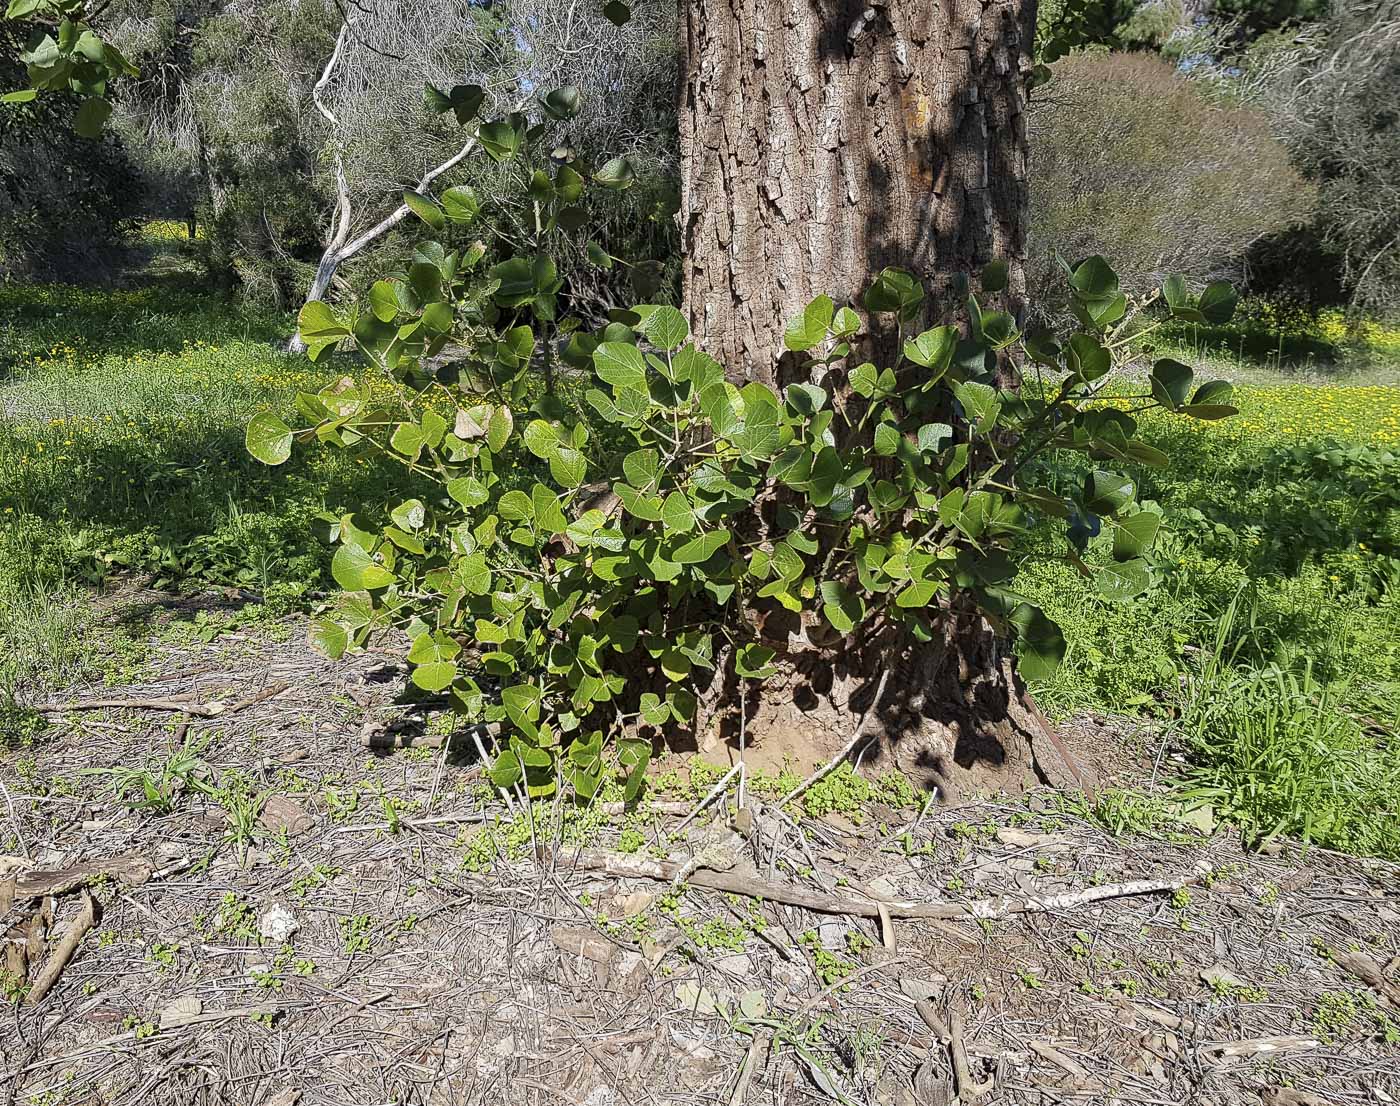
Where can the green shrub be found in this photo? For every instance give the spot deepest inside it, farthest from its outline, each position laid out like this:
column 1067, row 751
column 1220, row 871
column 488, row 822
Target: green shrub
column 578, row 575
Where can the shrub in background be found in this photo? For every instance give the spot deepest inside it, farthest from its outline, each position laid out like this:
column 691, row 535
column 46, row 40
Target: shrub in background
column 1131, row 159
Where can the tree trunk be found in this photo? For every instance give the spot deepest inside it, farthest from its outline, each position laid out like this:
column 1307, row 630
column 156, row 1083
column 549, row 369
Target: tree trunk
column 822, row 141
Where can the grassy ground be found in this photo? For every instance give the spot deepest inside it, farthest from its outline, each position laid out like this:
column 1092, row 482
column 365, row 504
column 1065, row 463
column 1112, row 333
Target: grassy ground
column 121, row 450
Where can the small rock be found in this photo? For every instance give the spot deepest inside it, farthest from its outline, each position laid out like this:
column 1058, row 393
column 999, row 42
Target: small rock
column 1219, row 976
column 277, row 925
column 884, row 887
column 734, row 964
column 832, row 936
column 280, row 813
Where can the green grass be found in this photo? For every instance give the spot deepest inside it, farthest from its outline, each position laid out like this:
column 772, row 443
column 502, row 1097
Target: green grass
column 121, row 450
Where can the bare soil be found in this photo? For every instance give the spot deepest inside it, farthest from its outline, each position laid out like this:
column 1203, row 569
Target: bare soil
column 416, row 964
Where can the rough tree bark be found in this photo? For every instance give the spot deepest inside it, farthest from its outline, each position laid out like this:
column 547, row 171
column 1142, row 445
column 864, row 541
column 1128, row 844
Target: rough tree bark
column 823, row 140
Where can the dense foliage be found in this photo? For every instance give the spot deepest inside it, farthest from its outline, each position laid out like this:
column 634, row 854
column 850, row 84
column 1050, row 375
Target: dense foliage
column 603, row 578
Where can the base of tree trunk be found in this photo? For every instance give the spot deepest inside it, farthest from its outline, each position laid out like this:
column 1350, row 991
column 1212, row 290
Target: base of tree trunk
column 954, row 716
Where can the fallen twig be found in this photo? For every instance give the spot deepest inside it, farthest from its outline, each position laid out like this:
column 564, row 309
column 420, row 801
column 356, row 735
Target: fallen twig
column 1228, row 1050
column 204, row 710
column 622, row 864
column 63, row 952
column 179, row 706
column 968, row 1088
column 714, row 793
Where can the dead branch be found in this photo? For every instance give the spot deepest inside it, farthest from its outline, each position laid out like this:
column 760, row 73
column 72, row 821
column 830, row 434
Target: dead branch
column 180, row 706
column 64, row 951
column 131, row 870
column 968, row 1088
column 739, row 883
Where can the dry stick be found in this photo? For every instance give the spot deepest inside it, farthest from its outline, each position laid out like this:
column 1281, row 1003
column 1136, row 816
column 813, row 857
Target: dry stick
column 63, row 952
column 967, row 1088
column 14, row 821
column 481, row 752
column 203, row 710
column 715, row 793
column 622, row 864
column 131, row 870
column 832, row 764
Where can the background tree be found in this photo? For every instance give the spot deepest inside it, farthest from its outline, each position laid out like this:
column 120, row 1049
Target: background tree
column 1345, row 132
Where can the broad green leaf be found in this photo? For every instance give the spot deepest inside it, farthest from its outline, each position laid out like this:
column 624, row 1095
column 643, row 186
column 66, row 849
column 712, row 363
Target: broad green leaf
column 1122, row 581
column 1107, row 493
column 498, row 428
column 562, row 103
column 617, row 174
column 642, row 467
column 676, row 514
column 269, row 439
column 810, row 328
column 354, row 569
column 933, row 349
column 328, row 637
column 384, row 301
column 541, row 439
column 1087, row 358
column 425, row 209
column 410, row 514
column 1213, row 392
column 1039, row 642
column 459, row 204
column 1094, row 278
column 474, row 574
column 1174, row 292
column 549, row 516
column 751, row 661
column 894, row 290
column 995, row 275
column 932, row 436
column 568, row 467
column 1171, row 382
column 701, row 549
column 645, row 507
column 841, row 607
column 433, row 658
column 665, row 327
column 499, row 139
column 516, row 506
column 91, row 116
column 1133, row 535
column 806, row 399
column 1217, row 303
column 621, row 365
column 468, row 491
column 980, row 403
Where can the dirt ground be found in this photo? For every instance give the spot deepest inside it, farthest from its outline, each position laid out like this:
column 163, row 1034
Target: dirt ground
column 317, row 923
